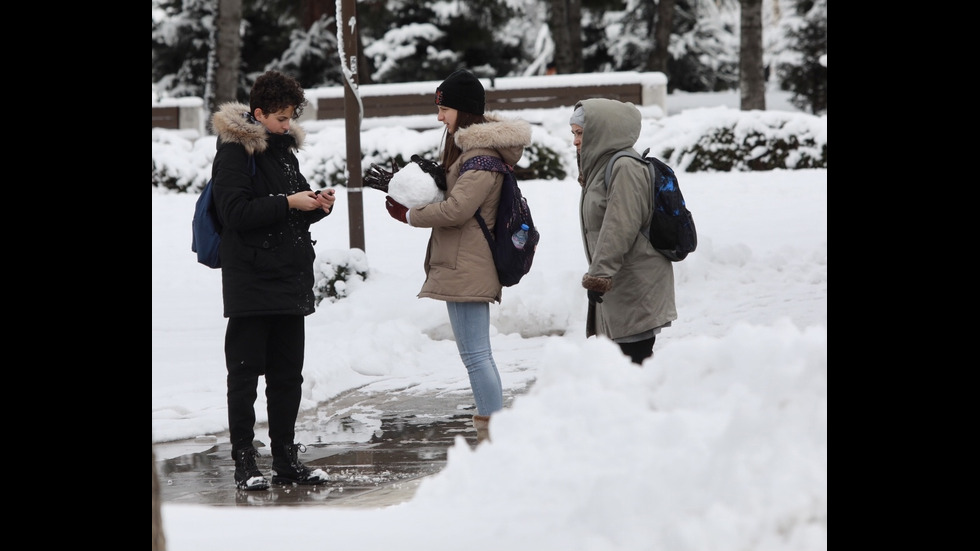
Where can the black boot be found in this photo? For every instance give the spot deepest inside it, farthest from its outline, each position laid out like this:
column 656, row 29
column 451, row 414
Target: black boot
column 247, row 474
column 288, row 469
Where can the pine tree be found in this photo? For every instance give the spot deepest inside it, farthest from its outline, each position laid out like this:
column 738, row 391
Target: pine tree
column 801, row 72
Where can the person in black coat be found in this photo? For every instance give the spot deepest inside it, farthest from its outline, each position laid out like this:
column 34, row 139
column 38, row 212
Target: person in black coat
column 266, row 207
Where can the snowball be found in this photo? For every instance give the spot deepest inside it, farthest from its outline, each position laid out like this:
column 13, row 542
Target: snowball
column 412, row 187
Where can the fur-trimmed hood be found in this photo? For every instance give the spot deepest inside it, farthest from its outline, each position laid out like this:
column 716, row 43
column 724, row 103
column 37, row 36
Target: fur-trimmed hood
column 233, row 122
column 497, row 133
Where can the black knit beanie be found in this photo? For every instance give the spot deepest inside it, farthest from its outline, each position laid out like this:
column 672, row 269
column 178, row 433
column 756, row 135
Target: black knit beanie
column 462, row 91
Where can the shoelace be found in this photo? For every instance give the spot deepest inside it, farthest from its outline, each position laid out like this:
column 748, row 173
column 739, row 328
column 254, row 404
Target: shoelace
column 294, row 462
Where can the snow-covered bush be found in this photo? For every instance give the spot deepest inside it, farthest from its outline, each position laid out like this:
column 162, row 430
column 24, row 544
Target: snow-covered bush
column 338, row 272
column 702, row 139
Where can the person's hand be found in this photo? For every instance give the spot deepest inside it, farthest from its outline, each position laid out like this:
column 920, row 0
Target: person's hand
column 378, row 177
column 303, row 200
column 432, row 169
column 396, row 210
column 596, row 287
column 326, row 199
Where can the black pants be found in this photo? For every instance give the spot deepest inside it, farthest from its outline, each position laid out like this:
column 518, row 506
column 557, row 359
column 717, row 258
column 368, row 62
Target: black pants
column 273, row 346
column 639, row 350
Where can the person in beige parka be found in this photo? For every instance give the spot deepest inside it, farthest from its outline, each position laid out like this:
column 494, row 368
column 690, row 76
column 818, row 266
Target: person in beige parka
column 458, row 264
column 630, row 285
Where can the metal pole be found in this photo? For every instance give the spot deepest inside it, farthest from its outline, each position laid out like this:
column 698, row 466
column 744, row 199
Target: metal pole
column 347, row 20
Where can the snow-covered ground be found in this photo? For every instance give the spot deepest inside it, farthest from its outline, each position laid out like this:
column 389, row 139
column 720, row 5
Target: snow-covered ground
column 718, row 442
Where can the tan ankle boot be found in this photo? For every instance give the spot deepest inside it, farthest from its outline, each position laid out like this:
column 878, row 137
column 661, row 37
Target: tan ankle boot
column 482, row 425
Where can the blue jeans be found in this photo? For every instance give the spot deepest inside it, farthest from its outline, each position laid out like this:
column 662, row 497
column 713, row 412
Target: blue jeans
column 471, row 327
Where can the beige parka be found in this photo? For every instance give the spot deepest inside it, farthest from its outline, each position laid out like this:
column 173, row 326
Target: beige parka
column 638, row 281
column 458, row 262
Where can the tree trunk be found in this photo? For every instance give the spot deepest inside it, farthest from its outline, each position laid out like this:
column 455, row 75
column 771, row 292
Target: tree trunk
column 752, row 80
column 661, row 36
column 228, row 52
column 565, row 20
column 574, row 24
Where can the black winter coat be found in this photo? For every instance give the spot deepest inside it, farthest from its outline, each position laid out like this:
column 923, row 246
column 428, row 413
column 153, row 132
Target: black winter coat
column 266, row 248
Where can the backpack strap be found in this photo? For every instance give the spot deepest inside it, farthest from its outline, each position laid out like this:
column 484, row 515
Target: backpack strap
column 492, row 164
column 485, row 162
column 645, row 230
column 625, row 153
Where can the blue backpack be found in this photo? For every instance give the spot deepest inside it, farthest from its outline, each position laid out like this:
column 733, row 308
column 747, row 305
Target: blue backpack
column 511, row 263
column 206, row 228
column 672, row 230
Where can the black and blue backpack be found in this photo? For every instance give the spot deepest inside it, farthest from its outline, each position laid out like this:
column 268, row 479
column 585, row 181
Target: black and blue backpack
column 206, row 228
column 672, row 230
column 511, row 263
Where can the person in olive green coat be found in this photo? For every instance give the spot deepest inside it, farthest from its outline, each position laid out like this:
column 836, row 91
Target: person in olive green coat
column 630, row 285
column 459, row 267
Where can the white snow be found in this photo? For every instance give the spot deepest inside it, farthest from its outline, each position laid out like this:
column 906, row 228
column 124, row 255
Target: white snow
column 718, row 442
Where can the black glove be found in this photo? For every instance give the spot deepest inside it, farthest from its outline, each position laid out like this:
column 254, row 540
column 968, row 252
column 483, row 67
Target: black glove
column 432, row 169
column 378, row 177
column 594, row 296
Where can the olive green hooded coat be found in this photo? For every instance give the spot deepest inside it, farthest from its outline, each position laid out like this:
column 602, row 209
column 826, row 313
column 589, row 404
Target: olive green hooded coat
column 638, row 281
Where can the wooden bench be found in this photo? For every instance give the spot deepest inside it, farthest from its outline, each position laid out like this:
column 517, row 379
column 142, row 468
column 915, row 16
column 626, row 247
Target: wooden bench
column 418, row 98
column 180, row 114
column 166, row 117
column 392, row 105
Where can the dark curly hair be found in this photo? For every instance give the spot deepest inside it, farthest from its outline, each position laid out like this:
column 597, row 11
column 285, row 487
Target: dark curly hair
column 275, row 91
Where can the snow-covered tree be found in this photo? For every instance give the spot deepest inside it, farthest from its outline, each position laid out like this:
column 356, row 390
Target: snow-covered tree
column 411, row 52
column 181, row 37
column 410, row 40
column 704, row 47
column 312, row 55
column 529, row 35
column 799, row 68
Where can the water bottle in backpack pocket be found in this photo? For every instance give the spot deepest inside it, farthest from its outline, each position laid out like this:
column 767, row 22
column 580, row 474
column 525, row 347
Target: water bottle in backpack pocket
column 511, row 257
column 520, row 237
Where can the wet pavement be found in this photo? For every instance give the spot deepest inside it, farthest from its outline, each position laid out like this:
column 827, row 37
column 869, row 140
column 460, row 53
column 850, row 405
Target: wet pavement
column 375, row 447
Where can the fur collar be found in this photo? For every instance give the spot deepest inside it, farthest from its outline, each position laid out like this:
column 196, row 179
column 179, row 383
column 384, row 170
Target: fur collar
column 496, row 133
column 233, row 123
